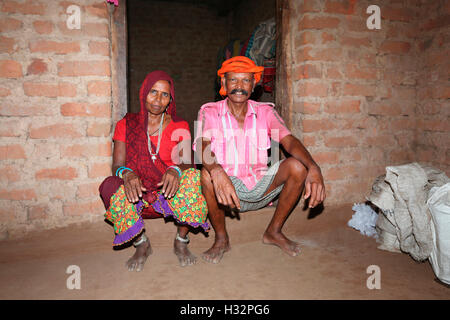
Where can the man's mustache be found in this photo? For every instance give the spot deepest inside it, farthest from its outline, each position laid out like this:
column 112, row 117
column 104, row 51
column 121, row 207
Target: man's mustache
column 239, row 91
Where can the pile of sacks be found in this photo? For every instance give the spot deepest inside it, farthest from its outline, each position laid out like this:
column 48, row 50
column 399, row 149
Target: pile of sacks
column 414, row 203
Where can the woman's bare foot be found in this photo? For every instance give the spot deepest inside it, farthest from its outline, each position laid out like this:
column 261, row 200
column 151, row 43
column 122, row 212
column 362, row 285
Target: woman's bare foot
column 278, row 239
column 215, row 253
column 137, row 261
column 185, row 257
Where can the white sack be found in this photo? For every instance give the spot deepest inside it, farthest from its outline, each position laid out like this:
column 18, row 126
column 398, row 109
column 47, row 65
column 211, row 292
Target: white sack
column 439, row 205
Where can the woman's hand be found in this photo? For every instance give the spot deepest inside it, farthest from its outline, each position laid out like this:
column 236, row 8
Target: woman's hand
column 133, row 186
column 170, row 182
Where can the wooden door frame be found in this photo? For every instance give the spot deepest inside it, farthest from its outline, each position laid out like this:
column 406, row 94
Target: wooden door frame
column 119, row 59
column 284, row 98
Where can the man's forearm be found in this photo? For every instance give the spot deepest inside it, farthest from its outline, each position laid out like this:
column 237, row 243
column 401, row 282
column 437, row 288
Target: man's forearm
column 209, row 160
column 296, row 149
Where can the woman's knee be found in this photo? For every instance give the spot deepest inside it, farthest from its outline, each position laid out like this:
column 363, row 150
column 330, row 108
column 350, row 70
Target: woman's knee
column 108, row 187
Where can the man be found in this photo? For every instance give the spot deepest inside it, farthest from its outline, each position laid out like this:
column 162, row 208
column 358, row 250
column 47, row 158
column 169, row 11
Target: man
column 235, row 133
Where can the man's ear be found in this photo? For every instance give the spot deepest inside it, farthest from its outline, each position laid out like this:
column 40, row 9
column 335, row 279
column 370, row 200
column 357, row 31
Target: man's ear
column 222, row 81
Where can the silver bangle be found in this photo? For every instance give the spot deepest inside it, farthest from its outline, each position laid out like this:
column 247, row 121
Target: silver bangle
column 184, row 240
column 140, row 241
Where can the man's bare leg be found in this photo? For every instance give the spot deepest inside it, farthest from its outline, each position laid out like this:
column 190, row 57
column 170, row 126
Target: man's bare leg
column 217, row 218
column 137, row 261
column 292, row 173
column 180, row 248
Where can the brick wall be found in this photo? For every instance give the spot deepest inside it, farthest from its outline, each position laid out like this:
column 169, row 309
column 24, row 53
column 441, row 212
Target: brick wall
column 358, row 103
column 433, row 91
column 55, row 114
column 363, row 99
column 182, row 39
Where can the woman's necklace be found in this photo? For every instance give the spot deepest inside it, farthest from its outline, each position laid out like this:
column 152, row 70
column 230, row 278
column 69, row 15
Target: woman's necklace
column 159, row 140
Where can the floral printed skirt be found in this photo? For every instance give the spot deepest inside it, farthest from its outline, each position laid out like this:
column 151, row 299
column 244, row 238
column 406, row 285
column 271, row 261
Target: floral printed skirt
column 187, row 207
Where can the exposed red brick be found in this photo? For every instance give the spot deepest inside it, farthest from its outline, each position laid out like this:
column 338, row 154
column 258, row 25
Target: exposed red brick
column 87, row 150
column 28, row 7
column 17, row 194
column 309, row 89
column 38, row 212
column 14, row 151
column 341, row 142
column 101, row 48
column 10, row 69
column 61, row 173
column 74, row 109
column 77, row 208
column 84, row 68
column 51, row 90
column 308, row 22
column 99, row 88
column 97, row 170
column 9, row 24
column 395, row 47
column 59, row 130
column 342, row 7
column 4, row 92
column 38, row 66
column 43, row 27
column 359, row 90
column 310, row 125
column 397, row 14
column 9, row 174
column 47, row 46
column 308, row 71
column 346, row 106
column 98, row 129
column 325, row 157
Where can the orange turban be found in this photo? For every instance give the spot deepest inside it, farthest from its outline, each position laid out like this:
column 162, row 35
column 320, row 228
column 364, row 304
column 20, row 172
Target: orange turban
column 239, row 64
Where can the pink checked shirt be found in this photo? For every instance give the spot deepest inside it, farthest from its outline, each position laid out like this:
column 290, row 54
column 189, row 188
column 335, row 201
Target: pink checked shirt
column 241, row 152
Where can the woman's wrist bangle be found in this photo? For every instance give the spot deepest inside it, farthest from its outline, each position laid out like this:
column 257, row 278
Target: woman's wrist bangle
column 177, row 169
column 120, row 171
column 124, row 171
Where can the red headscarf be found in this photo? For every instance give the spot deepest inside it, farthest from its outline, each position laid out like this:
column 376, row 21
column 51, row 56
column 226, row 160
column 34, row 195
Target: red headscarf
column 137, row 154
column 239, row 64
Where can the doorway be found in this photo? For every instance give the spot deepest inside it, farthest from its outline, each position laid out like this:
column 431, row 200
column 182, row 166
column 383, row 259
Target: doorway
column 189, row 39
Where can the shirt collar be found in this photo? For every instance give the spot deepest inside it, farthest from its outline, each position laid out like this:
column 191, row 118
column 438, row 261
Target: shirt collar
column 224, row 108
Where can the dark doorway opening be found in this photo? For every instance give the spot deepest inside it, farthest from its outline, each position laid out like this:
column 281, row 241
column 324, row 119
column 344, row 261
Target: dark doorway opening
column 188, row 40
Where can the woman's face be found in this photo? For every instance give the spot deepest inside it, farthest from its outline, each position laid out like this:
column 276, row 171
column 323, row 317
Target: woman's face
column 158, row 97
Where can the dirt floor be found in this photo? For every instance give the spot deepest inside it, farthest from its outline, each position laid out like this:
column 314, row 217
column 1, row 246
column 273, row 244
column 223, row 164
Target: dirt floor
column 332, row 265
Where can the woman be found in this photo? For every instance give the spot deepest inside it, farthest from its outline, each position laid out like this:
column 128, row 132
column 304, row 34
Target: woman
column 146, row 183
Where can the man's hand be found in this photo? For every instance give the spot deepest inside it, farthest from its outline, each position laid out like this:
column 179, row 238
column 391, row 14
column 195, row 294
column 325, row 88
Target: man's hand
column 314, row 186
column 170, row 182
column 224, row 189
column 133, row 186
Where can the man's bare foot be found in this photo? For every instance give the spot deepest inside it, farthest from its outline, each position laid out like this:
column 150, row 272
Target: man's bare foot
column 137, row 261
column 278, row 239
column 185, row 257
column 215, row 253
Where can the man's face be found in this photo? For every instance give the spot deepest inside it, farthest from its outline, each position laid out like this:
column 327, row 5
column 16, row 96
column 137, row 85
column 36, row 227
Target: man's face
column 239, row 86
